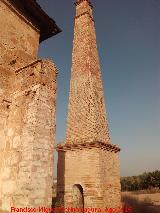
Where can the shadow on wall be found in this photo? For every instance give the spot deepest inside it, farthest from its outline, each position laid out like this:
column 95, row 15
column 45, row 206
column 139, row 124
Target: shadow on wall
column 58, row 201
column 145, row 206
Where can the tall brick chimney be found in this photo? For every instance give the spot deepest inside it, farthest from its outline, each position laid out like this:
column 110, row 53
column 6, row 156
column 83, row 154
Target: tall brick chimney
column 86, row 111
column 88, row 164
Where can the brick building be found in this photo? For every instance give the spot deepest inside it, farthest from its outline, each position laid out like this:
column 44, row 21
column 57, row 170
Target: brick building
column 88, row 164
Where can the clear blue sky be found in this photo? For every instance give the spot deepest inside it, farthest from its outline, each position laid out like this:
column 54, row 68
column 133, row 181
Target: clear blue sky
column 128, row 38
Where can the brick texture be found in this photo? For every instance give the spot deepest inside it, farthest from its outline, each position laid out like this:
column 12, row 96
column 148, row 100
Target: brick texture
column 86, row 156
column 86, row 101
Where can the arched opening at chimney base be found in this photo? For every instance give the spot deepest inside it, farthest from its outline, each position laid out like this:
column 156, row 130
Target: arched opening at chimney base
column 78, row 197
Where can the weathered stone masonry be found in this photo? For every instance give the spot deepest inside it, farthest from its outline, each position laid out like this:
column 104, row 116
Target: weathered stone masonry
column 87, row 159
column 27, row 107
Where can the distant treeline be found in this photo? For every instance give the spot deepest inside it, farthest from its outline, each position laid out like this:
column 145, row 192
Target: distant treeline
column 147, row 180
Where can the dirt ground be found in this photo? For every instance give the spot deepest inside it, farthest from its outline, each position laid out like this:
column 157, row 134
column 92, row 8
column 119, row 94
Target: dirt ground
column 142, row 203
column 153, row 198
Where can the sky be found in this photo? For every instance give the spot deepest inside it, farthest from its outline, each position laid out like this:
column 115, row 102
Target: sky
column 128, row 39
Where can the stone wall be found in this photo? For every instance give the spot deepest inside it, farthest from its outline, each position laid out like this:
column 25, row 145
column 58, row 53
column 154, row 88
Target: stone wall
column 19, row 39
column 26, row 170
column 27, row 114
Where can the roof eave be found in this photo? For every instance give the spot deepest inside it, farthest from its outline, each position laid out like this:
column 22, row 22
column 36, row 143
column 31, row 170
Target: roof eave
column 32, row 10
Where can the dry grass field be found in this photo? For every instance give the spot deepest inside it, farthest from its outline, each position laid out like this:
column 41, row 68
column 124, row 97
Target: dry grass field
column 141, row 202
